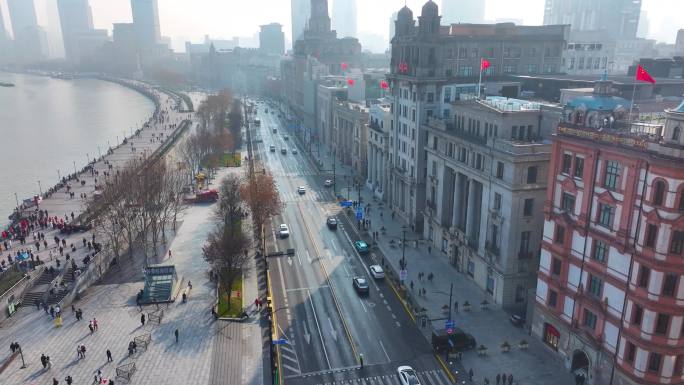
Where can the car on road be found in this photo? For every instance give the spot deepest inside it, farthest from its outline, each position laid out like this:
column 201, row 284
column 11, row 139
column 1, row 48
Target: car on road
column 331, row 222
column 294, row 151
column 458, row 340
column 407, row 376
column 377, row 272
column 275, row 130
column 361, row 247
column 283, row 151
column 301, row 190
column 283, row 231
column 328, row 183
column 285, row 137
column 272, row 148
column 361, row 285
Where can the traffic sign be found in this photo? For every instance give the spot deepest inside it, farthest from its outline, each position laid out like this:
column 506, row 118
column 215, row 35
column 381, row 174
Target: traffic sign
column 359, row 214
column 281, row 341
column 403, row 274
column 450, row 331
column 346, row 203
column 449, row 324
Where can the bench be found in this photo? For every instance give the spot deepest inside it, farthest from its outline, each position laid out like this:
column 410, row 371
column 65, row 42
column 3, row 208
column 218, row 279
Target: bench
column 126, row 371
column 143, row 340
column 156, row 316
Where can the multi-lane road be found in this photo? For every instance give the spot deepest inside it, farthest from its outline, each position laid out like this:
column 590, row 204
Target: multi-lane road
column 327, row 325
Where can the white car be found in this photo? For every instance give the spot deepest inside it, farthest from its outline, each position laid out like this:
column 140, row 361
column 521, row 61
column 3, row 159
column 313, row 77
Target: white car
column 407, row 376
column 328, row 183
column 283, row 231
column 301, row 190
column 294, row 151
column 377, row 272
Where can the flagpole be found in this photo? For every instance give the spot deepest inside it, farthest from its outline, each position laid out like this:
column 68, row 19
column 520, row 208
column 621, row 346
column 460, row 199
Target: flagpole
column 631, row 106
column 479, row 82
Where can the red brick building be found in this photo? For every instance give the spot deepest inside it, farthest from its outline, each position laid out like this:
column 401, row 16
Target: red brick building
column 610, row 289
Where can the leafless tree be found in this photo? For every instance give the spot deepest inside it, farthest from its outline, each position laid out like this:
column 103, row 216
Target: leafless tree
column 226, row 252
column 261, row 194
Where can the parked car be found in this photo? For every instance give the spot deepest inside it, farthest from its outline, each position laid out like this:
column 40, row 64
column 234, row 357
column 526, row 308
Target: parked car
column 456, row 341
column 407, row 376
column 361, row 247
column 361, row 285
column 283, row 151
column 272, row 148
column 284, row 231
column 377, row 272
column 331, row 222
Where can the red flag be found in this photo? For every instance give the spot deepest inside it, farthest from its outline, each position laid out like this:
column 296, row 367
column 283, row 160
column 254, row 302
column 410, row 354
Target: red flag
column 384, row 85
column 484, row 64
column 344, row 66
column 403, row 67
column 643, row 76
column 350, row 82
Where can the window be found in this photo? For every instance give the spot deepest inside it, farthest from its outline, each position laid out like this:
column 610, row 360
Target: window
column 478, row 162
column 527, row 209
column 658, row 193
column 654, row 362
column 525, row 244
column 567, row 163
column 644, row 275
column 600, row 251
column 568, row 203
column 579, row 167
column 497, row 201
column 637, row 315
column 675, row 133
column 630, row 352
column 595, row 285
column 556, row 266
column 662, row 322
column 430, row 97
column 467, row 71
column 679, row 365
column 514, row 132
column 499, row 170
column 670, row 285
column 532, row 174
column 610, row 180
column 651, row 235
column 434, row 168
column 553, row 299
column 589, row 319
column 606, row 214
column 560, row 235
column 677, row 243
column 447, row 94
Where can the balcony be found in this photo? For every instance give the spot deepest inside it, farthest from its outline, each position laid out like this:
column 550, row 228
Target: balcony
column 621, row 133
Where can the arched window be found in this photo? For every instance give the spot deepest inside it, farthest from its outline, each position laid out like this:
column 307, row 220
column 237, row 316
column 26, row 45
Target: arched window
column 675, row 133
column 658, row 193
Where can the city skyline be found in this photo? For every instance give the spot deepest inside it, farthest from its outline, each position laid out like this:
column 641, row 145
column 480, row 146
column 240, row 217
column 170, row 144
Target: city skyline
column 179, row 21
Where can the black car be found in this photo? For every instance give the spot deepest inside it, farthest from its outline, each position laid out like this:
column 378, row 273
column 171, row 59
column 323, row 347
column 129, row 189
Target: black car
column 458, row 340
column 361, row 285
column 331, row 222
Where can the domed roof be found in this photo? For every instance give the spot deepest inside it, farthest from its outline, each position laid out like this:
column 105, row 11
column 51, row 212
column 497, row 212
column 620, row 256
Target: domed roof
column 599, row 103
column 405, row 12
column 430, row 9
column 680, row 108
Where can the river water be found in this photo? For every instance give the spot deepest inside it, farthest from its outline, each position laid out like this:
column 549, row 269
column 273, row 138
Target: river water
column 47, row 125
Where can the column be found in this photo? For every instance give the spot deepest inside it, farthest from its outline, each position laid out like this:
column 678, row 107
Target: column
column 459, row 184
column 472, row 212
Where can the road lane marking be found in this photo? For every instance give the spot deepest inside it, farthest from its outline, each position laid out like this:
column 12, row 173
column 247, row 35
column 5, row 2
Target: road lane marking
column 306, row 288
column 334, row 245
column 313, row 309
column 332, row 330
column 346, row 271
column 299, row 259
column 308, row 256
column 362, row 305
column 384, row 351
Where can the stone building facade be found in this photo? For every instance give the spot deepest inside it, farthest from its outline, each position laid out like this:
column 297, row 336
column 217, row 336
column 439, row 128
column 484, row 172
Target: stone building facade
column 350, row 135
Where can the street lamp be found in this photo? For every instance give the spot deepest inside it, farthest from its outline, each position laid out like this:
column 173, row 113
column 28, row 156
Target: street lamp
column 40, row 189
column 21, row 353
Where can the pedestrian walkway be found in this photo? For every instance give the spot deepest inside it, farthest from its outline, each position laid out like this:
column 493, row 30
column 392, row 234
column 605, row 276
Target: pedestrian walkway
column 491, row 327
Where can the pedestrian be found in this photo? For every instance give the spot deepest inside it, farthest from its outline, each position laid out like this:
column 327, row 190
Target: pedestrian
column 470, row 374
column 510, row 378
column 411, row 285
column 109, row 356
column 78, row 351
column 98, row 375
column 498, row 378
column 169, row 253
column 49, row 363
column 43, row 360
column 54, row 381
column 37, row 303
column 256, row 303
column 176, row 334
column 142, row 319
column 69, row 380
column 83, row 350
column 95, row 324
column 90, row 326
column 430, row 250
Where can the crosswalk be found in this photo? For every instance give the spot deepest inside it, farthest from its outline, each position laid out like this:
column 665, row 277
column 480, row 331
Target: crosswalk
column 427, row 377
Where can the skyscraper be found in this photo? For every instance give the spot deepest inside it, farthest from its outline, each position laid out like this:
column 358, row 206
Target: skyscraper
column 3, row 32
column 75, row 18
column 272, row 39
column 29, row 38
column 615, row 18
column 146, row 21
column 301, row 11
column 393, row 20
column 462, row 11
column 344, row 18
column 319, row 22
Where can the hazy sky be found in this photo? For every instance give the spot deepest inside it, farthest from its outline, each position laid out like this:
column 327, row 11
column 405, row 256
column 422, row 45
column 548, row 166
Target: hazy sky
column 192, row 19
